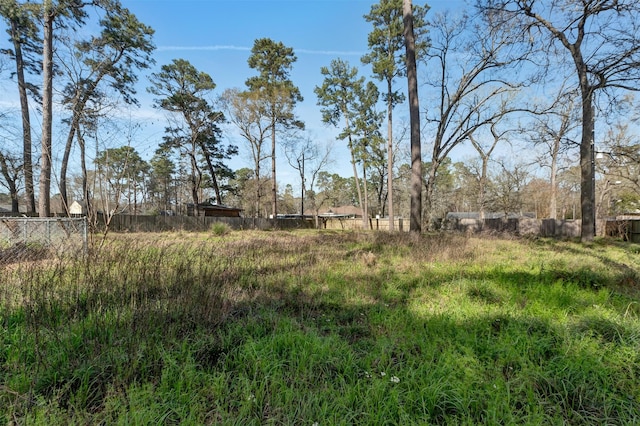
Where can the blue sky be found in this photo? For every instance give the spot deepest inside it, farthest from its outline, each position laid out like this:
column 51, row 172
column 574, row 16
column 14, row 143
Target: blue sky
column 216, row 37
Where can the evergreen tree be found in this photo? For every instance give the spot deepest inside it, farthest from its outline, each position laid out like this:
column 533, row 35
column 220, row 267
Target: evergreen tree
column 27, row 48
column 111, row 58
column 273, row 61
column 194, row 131
column 387, row 57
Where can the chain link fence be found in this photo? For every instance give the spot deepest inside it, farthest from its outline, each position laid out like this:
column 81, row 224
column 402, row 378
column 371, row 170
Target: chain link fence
column 29, row 238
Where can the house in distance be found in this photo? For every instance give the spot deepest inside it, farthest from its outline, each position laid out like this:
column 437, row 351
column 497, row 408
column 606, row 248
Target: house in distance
column 210, row 209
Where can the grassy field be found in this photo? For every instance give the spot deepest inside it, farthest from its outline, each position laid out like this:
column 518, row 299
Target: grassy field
column 323, row 328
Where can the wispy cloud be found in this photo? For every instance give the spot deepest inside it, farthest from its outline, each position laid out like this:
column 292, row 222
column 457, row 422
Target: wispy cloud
column 244, row 48
column 330, row 52
column 204, row 48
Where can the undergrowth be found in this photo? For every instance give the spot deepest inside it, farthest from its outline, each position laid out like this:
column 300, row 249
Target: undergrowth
column 310, row 328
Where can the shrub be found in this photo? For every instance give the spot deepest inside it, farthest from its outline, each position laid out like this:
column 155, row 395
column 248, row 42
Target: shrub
column 220, row 228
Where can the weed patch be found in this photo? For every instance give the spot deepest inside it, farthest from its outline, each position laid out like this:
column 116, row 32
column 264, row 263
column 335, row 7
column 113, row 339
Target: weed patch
column 328, row 327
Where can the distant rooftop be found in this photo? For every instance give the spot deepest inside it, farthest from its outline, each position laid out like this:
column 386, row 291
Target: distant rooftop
column 341, row 211
column 489, row 215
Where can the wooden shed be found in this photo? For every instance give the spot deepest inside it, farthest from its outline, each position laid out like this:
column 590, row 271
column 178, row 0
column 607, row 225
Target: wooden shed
column 213, row 210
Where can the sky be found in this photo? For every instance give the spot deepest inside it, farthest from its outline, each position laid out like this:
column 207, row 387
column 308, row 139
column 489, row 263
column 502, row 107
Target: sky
column 216, row 36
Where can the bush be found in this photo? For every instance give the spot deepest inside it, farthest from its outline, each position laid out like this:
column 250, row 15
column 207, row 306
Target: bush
column 220, row 228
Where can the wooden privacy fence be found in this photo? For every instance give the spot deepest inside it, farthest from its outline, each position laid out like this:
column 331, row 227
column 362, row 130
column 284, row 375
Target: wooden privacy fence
column 133, row 223
column 521, row 226
column 628, row 230
column 356, row 223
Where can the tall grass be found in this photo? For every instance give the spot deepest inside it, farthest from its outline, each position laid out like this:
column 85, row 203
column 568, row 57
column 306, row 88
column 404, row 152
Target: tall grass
column 323, row 327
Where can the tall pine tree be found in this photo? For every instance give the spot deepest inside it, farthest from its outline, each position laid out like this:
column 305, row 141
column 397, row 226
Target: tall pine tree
column 387, row 58
column 274, row 61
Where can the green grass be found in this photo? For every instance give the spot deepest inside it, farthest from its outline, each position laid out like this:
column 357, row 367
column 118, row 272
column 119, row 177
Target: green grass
column 313, row 327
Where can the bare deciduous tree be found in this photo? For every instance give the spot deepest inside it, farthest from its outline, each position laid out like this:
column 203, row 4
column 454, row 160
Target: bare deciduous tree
column 619, row 165
column 245, row 111
column 507, row 187
column 11, row 164
column 552, row 132
column 308, row 158
column 472, row 75
column 602, row 39
column 485, row 150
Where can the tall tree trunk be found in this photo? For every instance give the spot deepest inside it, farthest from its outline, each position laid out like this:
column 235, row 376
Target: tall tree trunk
column 274, row 187
column 587, row 154
column 128, row 209
column 258, row 191
column 587, row 169
column 167, row 189
column 65, row 162
column 553, row 202
column 365, row 216
column 257, row 155
column 26, row 121
column 80, row 100
column 214, row 180
column 302, row 183
column 357, row 180
column 85, row 180
column 13, row 191
column 195, row 183
column 390, row 156
column 355, row 168
column 44, row 201
column 430, row 188
column 353, row 164
column 382, row 195
column 135, row 198
column 482, row 187
column 415, row 224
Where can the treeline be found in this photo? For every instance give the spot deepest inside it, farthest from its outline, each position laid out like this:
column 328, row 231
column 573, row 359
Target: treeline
column 544, row 80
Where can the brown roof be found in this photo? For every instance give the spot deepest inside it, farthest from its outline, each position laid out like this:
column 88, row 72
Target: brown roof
column 342, row 211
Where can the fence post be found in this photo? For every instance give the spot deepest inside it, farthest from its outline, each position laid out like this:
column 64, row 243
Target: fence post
column 85, row 235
